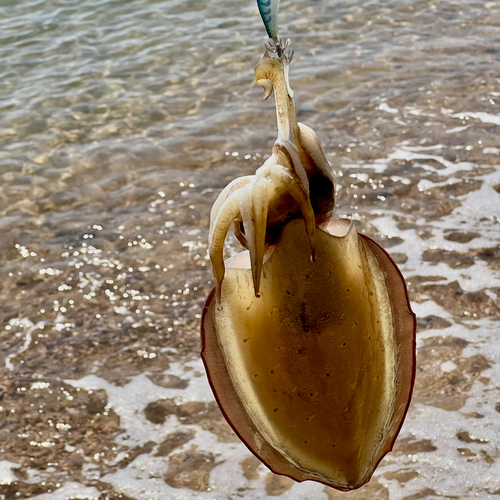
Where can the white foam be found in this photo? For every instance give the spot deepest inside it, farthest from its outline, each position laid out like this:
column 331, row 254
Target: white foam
column 429, row 308
column 427, row 185
column 491, row 151
column 457, row 129
column 448, row 366
column 70, row 491
column 408, row 154
column 412, row 110
column 473, row 278
column 385, row 107
column 129, row 401
column 446, row 471
column 6, row 474
column 30, row 328
column 479, row 115
column 143, row 477
column 481, row 203
column 403, row 180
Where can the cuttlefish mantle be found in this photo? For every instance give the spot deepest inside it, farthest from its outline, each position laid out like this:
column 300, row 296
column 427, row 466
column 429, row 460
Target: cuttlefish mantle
column 316, row 375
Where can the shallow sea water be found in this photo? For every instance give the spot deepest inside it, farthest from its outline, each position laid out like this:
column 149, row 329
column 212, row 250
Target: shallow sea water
column 121, row 121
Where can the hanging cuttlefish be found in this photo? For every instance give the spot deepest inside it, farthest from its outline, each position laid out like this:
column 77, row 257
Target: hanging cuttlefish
column 308, row 336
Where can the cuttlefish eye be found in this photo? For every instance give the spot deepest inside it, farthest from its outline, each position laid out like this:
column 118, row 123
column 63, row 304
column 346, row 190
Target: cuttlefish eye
column 316, row 375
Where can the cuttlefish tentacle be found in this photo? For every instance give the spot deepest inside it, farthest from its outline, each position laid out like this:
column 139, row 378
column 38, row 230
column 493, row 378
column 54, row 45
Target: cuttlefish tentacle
column 223, row 196
column 229, row 211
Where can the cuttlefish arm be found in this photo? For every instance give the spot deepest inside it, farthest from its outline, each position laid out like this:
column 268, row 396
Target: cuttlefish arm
column 272, row 72
column 256, row 203
column 302, row 143
column 233, row 186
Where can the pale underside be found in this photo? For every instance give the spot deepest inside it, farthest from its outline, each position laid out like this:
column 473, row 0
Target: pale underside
column 322, row 329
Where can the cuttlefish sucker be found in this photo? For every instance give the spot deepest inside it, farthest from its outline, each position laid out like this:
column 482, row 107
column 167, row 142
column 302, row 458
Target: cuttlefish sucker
column 299, row 140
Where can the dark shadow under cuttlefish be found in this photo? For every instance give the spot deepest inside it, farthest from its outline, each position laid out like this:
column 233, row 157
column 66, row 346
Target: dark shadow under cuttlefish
column 308, row 336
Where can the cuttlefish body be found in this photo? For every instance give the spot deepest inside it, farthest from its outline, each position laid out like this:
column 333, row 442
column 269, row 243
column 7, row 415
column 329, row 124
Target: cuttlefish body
column 308, row 337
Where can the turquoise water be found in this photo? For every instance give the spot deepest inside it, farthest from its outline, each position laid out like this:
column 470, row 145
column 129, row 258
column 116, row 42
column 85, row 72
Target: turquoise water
column 121, row 121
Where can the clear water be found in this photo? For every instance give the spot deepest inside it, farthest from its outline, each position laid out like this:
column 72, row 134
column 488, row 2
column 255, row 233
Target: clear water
column 120, row 121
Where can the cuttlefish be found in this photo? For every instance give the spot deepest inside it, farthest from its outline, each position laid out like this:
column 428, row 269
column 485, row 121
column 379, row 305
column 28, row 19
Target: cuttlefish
column 308, row 336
